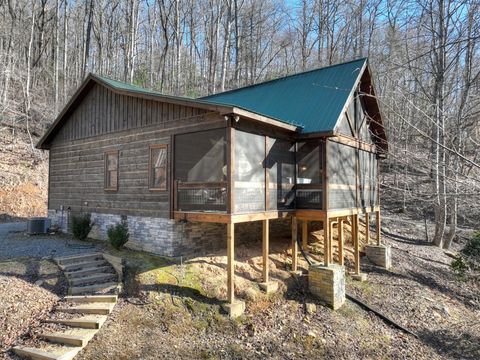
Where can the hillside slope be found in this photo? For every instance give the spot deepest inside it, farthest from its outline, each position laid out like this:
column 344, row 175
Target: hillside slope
column 23, row 178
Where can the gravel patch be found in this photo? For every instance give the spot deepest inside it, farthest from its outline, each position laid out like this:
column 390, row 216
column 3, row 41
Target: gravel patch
column 15, row 242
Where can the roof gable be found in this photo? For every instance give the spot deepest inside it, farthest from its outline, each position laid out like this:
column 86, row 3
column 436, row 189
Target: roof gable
column 313, row 100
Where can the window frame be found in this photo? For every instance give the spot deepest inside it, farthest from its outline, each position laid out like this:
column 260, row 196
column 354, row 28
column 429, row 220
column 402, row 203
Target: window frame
column 150, row 174
column 106, row 186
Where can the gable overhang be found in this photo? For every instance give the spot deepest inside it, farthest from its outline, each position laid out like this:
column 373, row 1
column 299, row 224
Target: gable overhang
column 364, row 83
column 91, row 80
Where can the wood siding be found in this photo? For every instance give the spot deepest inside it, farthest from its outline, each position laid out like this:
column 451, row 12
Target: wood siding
column 105, row 121
column 103, row 112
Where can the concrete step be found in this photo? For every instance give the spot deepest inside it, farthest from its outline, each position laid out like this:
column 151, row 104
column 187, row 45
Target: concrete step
column 92, row 298
column 83, row 265
column 83, row 322
column 78, row 258
column 90, row 279
column 89, row 308
column 47, row 352
column 79, row 290
column 89, row 271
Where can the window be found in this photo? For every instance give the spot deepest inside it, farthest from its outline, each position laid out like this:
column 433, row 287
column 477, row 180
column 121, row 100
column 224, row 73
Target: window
column 111, row 170
column 158, row 167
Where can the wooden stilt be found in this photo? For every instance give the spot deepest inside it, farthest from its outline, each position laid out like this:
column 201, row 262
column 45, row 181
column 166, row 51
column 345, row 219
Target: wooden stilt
column 340, row 241
column 367, row 228
column 294, row 244
column 265, row 248
column 326, row 242
column 230, row 262
column 305, row 234
column 331, row 240
column 356, row 243
column 377, row 226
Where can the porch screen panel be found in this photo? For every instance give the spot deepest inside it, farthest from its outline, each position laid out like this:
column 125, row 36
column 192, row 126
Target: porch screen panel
column 309, row 193
column 280, row 163
column 249, row 172
column 374, row 180
column 200, row 170
column 364, row 179
column 368, row 179
column 341, row 176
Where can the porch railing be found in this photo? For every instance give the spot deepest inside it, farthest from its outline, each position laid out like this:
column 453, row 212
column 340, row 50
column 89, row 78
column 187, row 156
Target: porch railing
column 200, row 196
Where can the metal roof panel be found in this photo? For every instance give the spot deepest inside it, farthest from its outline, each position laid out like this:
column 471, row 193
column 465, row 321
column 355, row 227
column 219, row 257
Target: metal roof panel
column 312, row 100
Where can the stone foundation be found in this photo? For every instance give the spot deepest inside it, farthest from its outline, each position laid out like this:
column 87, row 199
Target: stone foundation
column 380, row 255
column 172, row 238
column 328, row 284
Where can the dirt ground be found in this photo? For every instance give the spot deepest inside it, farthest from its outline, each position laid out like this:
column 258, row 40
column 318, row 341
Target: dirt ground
column 29, row 288
column 173, row 311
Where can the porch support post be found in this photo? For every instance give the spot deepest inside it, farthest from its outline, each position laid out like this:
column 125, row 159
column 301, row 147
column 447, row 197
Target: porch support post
column 356, row 243
column 305, row 234
column 294, row 244
column 340, row 242
column 233, row 307
column 330, row 240
column 377, row 226
column 267, row 285
column 231, row 262
column 367, row 228
column 265, row 249
column 326, row 241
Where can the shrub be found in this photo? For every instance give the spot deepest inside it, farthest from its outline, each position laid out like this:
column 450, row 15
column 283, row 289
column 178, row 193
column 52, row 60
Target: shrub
column 469, row 257
column 459, row 266
column 118, row 235
column 472, row 248
column 81, row 226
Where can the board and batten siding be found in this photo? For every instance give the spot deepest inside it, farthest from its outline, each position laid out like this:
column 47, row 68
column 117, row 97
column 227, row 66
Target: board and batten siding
column 130, row 126
column 103, row 111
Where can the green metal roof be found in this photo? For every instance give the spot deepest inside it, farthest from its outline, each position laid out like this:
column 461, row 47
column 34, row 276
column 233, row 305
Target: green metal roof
column 119, row 85
column 312, row 100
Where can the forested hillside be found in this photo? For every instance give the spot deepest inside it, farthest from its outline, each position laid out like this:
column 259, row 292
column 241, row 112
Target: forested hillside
column 424, row 55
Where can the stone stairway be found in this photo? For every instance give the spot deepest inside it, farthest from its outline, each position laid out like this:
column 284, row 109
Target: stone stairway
column 94, row 284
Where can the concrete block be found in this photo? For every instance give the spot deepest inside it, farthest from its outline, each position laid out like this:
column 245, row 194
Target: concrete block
column 380, row 255
column 359, row 277
column 296, row 273
column 269, row 287
column 234, row 309
column 327, row 283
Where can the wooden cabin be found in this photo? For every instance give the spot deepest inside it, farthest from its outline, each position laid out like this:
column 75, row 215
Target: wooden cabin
column 185, row 173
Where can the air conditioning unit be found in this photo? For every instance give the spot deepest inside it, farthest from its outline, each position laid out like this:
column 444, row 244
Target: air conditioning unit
column 38, row 225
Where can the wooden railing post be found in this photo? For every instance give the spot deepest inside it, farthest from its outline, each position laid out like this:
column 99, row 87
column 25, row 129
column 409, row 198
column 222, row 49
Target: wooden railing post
column 230, row 170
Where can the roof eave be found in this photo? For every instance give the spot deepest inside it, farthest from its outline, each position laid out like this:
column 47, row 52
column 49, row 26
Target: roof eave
column 263, row 119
